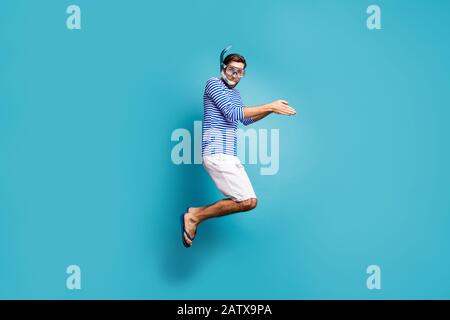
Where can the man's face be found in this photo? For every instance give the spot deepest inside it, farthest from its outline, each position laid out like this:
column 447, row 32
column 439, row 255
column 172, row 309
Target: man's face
column 232, row 71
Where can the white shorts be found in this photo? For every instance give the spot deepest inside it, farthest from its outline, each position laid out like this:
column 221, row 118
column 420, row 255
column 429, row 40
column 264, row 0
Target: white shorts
column 229, row 176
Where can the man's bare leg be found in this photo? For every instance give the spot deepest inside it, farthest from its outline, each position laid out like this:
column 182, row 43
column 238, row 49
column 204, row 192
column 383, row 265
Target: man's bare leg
column 223, row 207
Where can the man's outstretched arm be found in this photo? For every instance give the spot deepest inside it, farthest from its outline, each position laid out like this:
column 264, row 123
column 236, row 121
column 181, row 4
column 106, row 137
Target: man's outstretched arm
column 261, row 116
column 260, row 112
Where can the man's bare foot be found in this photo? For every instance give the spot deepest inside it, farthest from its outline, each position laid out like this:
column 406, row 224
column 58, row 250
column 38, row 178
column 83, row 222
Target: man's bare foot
column 190, row 224
column 195, row 210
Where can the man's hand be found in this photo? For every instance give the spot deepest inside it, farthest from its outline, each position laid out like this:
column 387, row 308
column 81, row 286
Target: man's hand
column 281, row 107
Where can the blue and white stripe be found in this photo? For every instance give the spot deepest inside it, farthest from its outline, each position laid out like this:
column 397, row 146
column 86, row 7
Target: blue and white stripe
column 222, row 109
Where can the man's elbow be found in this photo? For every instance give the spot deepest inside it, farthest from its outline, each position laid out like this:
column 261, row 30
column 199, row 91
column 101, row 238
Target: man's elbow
column 249, row 121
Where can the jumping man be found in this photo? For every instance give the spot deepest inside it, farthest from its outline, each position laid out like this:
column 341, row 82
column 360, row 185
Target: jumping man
column 223, row 109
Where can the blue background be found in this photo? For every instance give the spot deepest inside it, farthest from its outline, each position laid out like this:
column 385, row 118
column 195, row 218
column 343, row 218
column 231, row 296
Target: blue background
column 86, row 176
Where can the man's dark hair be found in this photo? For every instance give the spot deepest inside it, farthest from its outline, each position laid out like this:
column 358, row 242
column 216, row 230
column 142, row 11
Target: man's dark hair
column 236, row 58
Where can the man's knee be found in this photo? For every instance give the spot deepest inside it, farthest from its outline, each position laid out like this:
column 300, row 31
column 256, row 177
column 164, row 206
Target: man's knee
column 248, row 204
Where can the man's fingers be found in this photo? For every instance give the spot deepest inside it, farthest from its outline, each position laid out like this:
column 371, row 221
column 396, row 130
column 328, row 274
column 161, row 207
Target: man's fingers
column 289, row 111
column 286, row 110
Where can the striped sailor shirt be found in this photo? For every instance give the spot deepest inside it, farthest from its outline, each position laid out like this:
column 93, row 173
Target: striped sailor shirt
column 222, row 109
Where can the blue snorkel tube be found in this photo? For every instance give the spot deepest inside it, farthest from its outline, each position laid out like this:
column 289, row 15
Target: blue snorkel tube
column 222, row 56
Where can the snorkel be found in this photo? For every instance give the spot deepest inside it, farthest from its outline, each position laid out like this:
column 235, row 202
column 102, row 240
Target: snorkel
column 222, row 68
